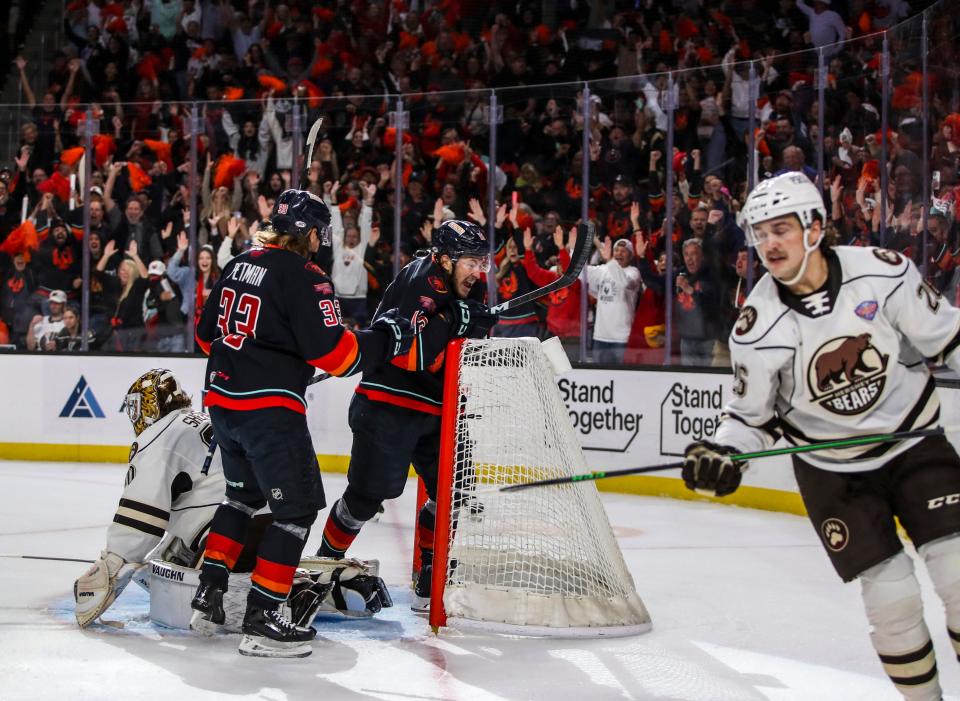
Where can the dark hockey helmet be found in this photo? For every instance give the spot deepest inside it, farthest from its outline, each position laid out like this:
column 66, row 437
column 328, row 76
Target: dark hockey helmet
column 152, row 396
column 297, row 211
column 457, row 237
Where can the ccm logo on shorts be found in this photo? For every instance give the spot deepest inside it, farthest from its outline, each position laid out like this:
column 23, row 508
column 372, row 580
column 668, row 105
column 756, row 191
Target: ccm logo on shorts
column 948, row 500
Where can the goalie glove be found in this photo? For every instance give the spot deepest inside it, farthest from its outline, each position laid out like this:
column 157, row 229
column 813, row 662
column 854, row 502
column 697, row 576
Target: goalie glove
column 352, row 588
column 100, row 585
column 708, row 469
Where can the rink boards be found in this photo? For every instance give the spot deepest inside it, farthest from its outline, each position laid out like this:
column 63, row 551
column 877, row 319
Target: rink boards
column 70, row 408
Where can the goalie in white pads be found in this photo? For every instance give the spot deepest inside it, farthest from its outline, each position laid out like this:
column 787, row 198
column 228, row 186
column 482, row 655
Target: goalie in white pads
column 167, row 503
column 166, row 507
column 832, row 344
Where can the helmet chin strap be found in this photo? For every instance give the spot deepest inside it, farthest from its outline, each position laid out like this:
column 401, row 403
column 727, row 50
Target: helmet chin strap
column 807, row 250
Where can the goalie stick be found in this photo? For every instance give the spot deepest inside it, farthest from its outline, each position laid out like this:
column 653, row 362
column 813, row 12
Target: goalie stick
column 578, row 258
column 789, row 450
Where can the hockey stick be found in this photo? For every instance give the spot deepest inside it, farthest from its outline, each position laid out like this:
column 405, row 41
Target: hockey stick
column 311, row 144
column 42, row 557
column 789, row 450
column 209, row 458
column 578, row 258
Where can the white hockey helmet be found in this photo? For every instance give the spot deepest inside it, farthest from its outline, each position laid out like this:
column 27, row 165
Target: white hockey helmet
column 779, row 196
column 152, row 396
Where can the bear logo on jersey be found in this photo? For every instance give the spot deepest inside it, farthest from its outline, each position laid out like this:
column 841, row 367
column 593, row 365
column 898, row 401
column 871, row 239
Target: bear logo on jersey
column 847, row 374
column 888, row 256
column 835, row 533
column 746, row 320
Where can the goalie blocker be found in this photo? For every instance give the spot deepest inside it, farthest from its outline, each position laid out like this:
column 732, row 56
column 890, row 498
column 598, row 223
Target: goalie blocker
column 346, row 588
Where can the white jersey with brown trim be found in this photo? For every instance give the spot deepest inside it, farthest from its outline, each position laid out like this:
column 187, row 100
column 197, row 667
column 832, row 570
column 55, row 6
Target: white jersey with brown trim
column 166, row 495
column 844, row 361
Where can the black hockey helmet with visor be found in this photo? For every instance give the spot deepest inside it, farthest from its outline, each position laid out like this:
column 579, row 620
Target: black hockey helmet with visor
column 458, row 238
column 296, row 212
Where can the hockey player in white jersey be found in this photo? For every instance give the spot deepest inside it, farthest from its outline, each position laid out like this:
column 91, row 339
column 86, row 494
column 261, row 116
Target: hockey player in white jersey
column 170, row 495
column 167, row 500
column 832, row 344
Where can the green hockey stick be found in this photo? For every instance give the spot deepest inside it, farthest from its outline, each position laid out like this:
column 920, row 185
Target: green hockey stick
column 789, row 450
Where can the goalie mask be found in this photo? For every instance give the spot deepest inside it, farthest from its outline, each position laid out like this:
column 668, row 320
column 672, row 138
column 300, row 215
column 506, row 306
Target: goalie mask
column 152, row 396
column 783, row 195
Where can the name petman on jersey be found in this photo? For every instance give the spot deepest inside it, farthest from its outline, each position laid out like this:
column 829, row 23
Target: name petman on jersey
column 836, row 363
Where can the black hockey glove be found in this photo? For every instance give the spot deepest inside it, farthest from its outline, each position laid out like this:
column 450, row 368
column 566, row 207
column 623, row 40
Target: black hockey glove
column 472, row 319
column 709, row 470
column 399, row 330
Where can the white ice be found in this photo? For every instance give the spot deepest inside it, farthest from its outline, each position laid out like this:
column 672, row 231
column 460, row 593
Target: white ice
column 745, row 606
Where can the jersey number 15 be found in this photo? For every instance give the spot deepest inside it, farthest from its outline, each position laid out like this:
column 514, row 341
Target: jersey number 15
column 241, row 314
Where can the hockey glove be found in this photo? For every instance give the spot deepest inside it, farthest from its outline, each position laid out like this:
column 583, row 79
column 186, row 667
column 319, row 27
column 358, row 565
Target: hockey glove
column 709, row 470
column 472, row 319
column 348, row 587
column 100, row 585
column 400, row 332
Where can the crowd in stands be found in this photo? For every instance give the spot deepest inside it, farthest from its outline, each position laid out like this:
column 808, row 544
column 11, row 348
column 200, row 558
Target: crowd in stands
column 146, row 70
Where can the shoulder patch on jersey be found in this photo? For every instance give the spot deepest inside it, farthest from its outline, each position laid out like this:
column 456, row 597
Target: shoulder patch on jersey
column 746, row 321
column 133, row 451
column 324, row 288
column 887, row 256
column 437, row 284
column 867, row 310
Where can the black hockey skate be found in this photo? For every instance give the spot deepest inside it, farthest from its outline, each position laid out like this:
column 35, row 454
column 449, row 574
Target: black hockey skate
column 266, row 633
column 421, row 590
column 207, row 605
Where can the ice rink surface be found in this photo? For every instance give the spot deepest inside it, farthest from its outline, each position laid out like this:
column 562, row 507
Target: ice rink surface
column 745, row 606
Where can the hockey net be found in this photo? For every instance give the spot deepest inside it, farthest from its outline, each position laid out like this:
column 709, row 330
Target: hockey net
column 540, row 561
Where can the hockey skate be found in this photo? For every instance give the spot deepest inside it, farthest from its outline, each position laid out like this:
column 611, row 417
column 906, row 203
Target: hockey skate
column 266, row 633
column 420, row 603
column 207, row 605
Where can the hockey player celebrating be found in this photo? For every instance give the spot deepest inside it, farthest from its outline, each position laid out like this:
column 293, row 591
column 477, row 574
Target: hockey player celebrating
column 831, row 344
column 272, row 318
column 395, row 413
column 167, row 501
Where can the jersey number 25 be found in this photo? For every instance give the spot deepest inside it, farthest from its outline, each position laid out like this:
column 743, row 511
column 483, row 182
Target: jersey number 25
column 242, row 316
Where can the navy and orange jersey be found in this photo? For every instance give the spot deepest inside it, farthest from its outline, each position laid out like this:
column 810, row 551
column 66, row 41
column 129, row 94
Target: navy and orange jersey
column 271, row 318
column 422, row 293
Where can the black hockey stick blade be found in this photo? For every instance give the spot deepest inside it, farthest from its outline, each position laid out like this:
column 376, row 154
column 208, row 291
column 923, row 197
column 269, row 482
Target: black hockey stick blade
column 788, row 450
column 578, row 258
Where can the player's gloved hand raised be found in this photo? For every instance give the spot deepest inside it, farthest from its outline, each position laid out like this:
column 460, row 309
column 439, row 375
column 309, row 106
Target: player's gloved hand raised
column 472, row 318
column 709, row 470
column 399, row 330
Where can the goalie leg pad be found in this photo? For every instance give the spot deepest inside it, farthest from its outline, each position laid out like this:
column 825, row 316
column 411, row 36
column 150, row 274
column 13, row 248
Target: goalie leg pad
column 891, row 596
column 99, row 586
column 942, row 558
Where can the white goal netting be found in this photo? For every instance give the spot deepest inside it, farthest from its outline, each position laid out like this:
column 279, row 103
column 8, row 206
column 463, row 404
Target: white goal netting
column 541, row 561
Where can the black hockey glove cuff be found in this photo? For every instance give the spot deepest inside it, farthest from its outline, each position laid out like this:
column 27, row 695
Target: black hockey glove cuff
column 472, row 319
column 400, row 332
column 708, row 469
